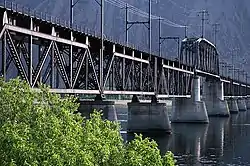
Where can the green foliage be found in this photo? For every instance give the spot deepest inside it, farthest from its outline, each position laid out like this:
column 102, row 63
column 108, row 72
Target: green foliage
column 168, row 159
column 40, row 128
column 142, row 152
column 103, row 141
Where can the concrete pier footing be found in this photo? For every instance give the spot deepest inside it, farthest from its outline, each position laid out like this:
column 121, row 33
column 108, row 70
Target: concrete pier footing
column 188, row 111
column 214, row 99
column 192, row 110
column 242, row 104
column 233, row 106
column 107, row 107
column 148, row 118
column 217, row 107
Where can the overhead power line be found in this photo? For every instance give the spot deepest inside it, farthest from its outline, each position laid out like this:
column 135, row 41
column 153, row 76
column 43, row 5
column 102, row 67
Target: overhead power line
column 139, row 12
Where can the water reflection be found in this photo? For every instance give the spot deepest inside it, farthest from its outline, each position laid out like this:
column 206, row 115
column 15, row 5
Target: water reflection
column 214, row 148
column 224, row 141
column 237, row 143
column 233, row 118
column 188, row 140
column 163, row 140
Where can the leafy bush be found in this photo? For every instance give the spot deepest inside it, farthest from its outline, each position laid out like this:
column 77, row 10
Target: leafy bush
column 40, row 128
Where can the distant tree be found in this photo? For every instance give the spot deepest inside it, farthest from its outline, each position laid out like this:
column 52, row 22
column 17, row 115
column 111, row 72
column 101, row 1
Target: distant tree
column 40, row 128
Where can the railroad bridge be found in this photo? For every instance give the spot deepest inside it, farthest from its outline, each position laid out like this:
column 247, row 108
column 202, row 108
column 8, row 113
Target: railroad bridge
column 39, row 49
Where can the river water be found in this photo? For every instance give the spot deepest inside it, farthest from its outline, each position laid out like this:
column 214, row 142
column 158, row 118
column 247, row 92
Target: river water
column 224, row 141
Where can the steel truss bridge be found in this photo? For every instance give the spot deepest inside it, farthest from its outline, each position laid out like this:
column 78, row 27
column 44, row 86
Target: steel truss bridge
column 42, row 51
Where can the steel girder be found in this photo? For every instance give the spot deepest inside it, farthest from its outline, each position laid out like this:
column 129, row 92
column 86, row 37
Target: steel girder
column 51, row 65
column 51, row 61
column 200, row 54
column 123, row 74
column 127, row 73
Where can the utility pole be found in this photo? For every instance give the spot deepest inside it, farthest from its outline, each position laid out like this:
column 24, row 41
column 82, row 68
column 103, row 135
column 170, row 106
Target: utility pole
column 71, row 13
column 235, row 79
column 186, row 31
column 126, row 20
column 176, row 39
column 150, row 26
column 216, row 30
column 247, row 83
column 102, row 45
column 233, row 55
column 147, row 24
column 222, row 65
column 227, row 70
column 245, row 74
column 159, row 43
column 228, row 67
column 72, row 5
column 101, row 4
column 203, row 13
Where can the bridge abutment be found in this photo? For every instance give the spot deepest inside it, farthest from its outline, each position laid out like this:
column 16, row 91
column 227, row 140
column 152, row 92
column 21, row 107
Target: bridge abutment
column 107, row 107
column 242, row 104
column 213, row 95
column 233, row 106
column 148, row 117
column 192, row 110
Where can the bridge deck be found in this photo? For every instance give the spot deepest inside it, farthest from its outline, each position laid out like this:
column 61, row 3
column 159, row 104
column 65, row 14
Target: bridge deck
column 73, row 61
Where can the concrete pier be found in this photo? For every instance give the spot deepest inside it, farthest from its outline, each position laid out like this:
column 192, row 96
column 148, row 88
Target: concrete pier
column 242, row 104
column 248, row 102
column 148, row 118
column 213, row 95
column 192, row 110
column 107, row 107
column 233, row 106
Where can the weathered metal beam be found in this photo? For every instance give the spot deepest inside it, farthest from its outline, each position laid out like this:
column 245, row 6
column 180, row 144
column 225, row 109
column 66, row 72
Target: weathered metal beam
column 74, row 91
column 109, row 69
column 178, row 69
column 173, row 96
column 16, row 58
column 43, row 35
column 225, row 81
column 41, row 64
column 130, row 57
column 78, row 69
column 128, row 93
column 92, row 65
column 206, row 73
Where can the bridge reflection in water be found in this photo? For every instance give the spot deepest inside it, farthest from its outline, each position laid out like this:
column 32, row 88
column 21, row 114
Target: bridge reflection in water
column 188, row 140
column 223, row 141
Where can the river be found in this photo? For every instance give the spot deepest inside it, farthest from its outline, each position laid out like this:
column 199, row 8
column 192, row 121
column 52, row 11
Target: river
column 224, row 141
